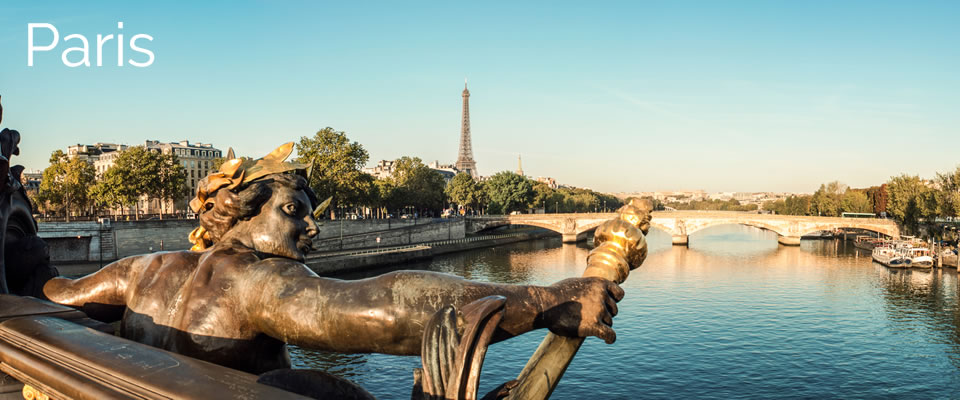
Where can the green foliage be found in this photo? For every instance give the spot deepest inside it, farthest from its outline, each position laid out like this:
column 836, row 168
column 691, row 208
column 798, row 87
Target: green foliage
column 337, row 165
column 171, row 180
column 65, row 184
column 381, row 194
column 111, row 191
column 508, row 192
column 465, row 191
column 792, row 205
column 908, row 199
column 947, row 197
column 715, row 205
column 140, row 172
column 417, row 184
column 828, row 200
column 856, row 201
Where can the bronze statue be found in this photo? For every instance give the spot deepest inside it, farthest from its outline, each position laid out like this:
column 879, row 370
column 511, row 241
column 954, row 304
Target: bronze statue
column 24, row 257
column 243, row 292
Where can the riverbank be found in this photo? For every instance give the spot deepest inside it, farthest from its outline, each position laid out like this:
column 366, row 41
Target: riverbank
column 343, row 262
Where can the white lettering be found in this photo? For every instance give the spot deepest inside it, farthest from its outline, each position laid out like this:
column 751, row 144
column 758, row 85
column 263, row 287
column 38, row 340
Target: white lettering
column 100, row 41
column 31, row 48
column 120, row 45
column 134, row 47
column 70, row 60
column 85, row 49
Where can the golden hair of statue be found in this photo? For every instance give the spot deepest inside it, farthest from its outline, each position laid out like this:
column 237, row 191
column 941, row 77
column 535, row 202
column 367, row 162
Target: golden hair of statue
column 235, row 172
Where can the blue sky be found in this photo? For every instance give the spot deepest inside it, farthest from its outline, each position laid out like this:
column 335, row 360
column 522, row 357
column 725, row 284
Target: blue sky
column 631, row 96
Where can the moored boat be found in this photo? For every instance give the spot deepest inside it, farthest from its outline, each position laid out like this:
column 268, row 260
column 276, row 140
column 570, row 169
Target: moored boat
column 903, row 254
column 867, row 242
column 890, row 257
column 919, row 257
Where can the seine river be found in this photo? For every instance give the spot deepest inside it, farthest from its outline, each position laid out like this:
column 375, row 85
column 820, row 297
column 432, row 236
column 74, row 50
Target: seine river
column 735, row 315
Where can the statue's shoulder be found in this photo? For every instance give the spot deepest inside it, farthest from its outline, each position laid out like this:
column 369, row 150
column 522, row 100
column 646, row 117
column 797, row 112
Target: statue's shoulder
column 283, row 266
column 160, row 259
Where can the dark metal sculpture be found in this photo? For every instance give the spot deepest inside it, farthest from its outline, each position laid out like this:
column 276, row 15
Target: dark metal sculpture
column 244, row 293
column 24, row 257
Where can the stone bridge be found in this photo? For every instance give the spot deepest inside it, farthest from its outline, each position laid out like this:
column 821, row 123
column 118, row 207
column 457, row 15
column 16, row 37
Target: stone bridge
column 681, row 224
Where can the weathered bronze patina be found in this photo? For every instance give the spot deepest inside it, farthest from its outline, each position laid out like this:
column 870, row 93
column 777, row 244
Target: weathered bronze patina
column 24, row 257
column 246, row 294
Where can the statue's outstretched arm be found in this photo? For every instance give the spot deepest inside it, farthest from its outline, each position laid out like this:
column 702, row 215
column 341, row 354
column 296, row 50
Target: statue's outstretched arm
column 386, row 314
column 106, row 286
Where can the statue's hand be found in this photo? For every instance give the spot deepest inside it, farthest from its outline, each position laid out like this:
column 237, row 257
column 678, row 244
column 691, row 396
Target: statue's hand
column 582, row 307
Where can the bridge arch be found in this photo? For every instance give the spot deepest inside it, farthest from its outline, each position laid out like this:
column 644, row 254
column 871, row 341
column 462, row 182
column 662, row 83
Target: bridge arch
column 891, row 231
column 753, row 223
column 680, row 224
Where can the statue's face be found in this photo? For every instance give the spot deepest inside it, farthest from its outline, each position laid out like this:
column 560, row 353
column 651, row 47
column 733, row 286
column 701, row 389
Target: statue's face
column 284, row 227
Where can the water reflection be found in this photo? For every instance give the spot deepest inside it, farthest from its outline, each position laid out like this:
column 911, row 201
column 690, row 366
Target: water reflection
column 733, row 315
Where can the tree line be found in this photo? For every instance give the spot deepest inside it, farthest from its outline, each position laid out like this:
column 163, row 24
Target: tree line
column 909, row 199
column 713, row 205
column 336, row 171
column 71, row 187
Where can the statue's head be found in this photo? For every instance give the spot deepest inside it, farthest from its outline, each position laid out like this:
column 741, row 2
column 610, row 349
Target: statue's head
column 263, row 204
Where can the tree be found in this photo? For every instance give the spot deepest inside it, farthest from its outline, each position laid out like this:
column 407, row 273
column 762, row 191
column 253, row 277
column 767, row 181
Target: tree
column 856, row 201
column 109, row 191
column 336, row 164
column 464, row 190
column 947, row 197
column 139, row 172
column 907, row 199
column 171, row 182
column 878, row 196
column 508, row 192
column 417, row 184
column 827, row 201
column 382, row 195
column 66, row 182
column 792, row 205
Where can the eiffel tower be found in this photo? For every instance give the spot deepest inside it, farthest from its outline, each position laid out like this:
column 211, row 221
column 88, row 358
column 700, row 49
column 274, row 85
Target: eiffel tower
column 465, row 162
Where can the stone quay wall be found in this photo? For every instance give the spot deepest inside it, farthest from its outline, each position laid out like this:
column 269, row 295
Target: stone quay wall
column 90, row 242
column 398, row 236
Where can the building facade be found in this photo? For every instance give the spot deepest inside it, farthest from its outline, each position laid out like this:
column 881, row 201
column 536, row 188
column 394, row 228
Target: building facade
column 197, row 162
column 196, row 159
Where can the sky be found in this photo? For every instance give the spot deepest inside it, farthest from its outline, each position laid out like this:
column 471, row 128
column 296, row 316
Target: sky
column 612, row 96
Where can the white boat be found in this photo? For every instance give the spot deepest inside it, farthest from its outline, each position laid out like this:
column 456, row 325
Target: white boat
column 919, row 257
column 903, row 254
column 890, row 257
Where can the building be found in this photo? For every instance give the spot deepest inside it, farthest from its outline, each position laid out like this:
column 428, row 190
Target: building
column 106, row 160
column 552, row 183
column 197, row 161
column 447, row 171
column 465, row 162
column 101, row 155
column 31, row 180
column 383, row 169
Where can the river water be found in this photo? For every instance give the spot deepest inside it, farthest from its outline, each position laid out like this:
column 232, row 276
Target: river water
column 735, row 315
